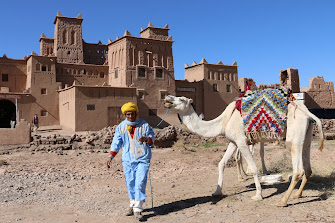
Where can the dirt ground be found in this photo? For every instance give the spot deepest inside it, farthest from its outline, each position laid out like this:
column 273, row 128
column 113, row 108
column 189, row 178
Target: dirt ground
column 77, row 187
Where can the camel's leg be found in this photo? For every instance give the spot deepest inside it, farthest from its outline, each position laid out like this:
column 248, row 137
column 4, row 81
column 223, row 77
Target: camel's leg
column 306, row 159
column 297, row 128
column 239, row 164
column 251, row 164
column 261, row 152
column 252, row 150
column 228, row 154
column 296, row 153
column 297, row 164
column 294, row 181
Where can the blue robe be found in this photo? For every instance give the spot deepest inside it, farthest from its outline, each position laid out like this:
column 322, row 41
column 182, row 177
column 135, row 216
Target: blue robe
column 135, row 156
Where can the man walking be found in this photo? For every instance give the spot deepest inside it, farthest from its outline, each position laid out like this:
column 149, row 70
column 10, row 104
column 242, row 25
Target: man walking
column 35, row 123
column 136, row 138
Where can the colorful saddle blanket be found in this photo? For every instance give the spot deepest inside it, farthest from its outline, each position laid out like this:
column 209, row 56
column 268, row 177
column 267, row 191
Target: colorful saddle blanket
column 264, row 114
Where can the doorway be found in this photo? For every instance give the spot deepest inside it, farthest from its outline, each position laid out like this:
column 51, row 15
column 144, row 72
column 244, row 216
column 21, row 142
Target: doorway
column 7, row 111
column 115, row 116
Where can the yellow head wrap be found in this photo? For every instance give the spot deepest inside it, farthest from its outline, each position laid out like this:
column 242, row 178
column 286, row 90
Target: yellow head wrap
column 129, row 107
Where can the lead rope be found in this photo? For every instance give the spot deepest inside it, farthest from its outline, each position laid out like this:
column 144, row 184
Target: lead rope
column 167, row 111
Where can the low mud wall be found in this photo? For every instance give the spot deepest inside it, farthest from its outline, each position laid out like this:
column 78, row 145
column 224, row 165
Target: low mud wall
column 19, row 135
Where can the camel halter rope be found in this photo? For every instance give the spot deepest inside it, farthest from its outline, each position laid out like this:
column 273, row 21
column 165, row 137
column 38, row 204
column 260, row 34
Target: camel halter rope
column 167, row 111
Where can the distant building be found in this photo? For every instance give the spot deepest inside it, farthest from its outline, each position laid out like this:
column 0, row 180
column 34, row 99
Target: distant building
column 216, row 85
column 82, row 86
column 319, row 93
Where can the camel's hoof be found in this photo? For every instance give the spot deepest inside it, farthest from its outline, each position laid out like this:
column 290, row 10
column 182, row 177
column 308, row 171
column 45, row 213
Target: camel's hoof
column 282, row 204
column 217, row 194
column 296, row 196
column 257, row 198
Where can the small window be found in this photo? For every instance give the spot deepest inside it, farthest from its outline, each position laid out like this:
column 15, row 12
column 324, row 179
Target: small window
column 4, row 77
column 44, row 113
column 44, row 68
column 152, row 112
column 140, row 94
column 228, row 88
column 116, row 73
column 102, row 74
column 90, row 107
column 162, row 95
column 215, row 87
column 84, row 71
column 141, row 72
column 68, row 52
column 159, row 73
column 43, row 91
column 37, row 66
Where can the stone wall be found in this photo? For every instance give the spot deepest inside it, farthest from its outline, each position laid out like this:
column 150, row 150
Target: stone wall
column 19, row 135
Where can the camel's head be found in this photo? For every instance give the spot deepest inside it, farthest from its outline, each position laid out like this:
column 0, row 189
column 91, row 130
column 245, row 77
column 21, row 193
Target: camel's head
column 180, row 104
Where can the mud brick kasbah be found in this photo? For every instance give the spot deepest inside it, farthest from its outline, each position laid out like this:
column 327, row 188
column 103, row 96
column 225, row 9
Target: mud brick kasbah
column 81, row 86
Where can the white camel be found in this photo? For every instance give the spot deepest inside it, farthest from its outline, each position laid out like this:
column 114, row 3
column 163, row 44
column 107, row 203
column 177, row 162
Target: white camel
column 230, row 124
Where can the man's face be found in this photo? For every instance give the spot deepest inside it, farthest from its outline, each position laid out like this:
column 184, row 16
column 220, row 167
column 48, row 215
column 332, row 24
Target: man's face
column 131, row 116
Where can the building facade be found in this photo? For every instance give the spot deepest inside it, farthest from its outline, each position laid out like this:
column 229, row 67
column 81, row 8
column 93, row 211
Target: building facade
column 82, row 86
column 219, row 86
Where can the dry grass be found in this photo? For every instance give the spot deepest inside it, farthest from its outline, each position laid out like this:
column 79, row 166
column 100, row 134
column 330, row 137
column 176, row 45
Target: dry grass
column 282, row 165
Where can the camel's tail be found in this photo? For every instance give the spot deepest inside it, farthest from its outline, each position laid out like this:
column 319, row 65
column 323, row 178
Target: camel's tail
column 319, row 124
column 313, row 119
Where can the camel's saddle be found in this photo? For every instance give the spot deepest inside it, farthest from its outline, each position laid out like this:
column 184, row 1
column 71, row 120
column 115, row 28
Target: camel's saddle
column 264, row 113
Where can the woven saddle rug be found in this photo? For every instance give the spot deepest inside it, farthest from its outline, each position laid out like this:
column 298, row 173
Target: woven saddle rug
column 264, row 114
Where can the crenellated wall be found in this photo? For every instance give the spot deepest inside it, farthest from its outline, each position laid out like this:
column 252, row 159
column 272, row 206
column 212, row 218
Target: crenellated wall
column 220, row 85
column 68, row 42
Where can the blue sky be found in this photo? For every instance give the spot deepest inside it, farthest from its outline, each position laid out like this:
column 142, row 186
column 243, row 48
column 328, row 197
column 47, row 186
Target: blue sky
column 263, row 37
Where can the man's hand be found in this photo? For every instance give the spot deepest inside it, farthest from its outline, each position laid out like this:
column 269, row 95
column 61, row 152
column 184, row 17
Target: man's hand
column 143, row 139
column 109, row 161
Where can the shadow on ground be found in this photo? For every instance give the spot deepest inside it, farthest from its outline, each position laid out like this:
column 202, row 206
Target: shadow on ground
column 324, row 184
column 181, row 205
